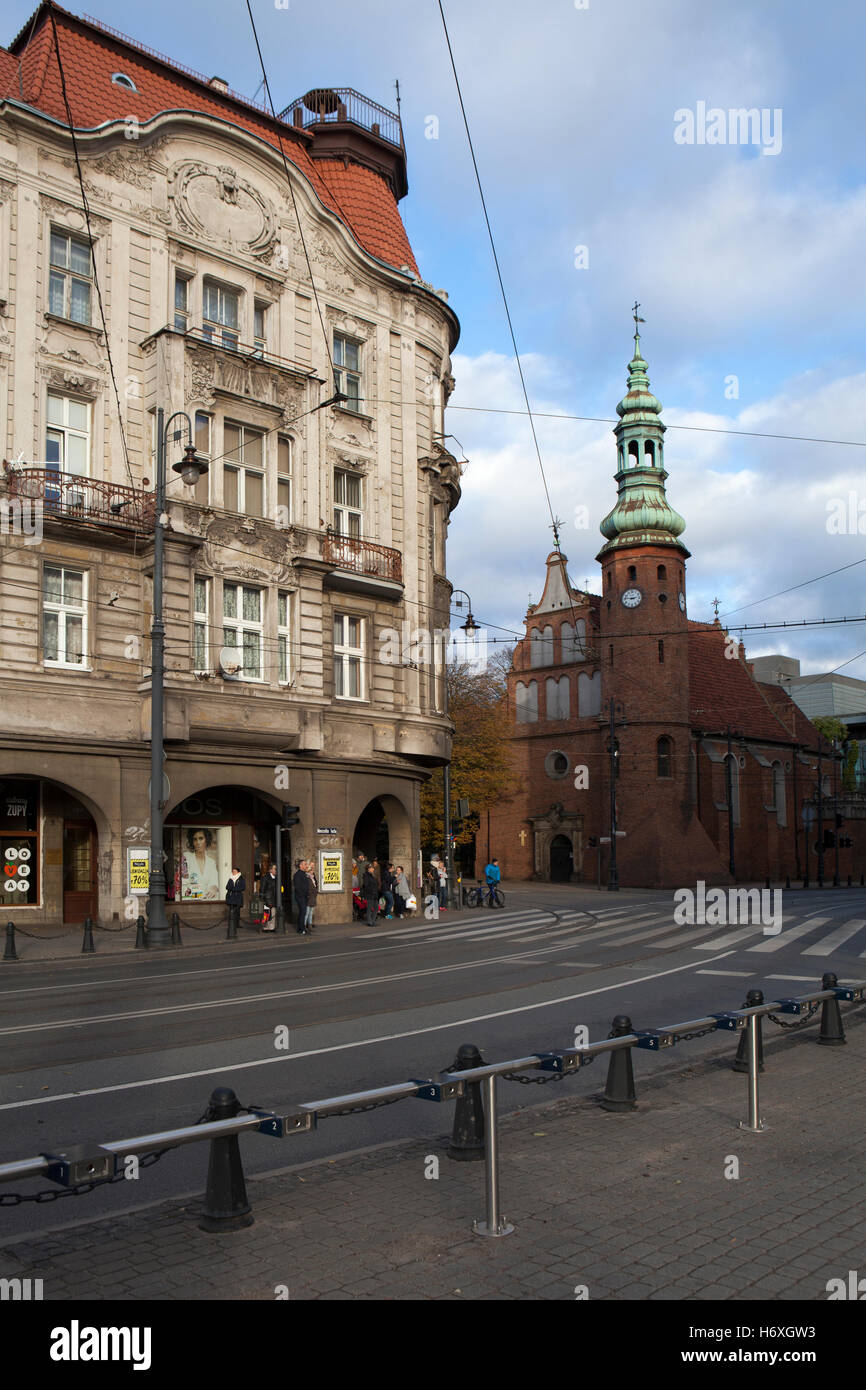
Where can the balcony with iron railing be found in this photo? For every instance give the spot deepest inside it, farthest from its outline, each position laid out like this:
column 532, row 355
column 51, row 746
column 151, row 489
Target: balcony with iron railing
column 362, row 566
column 72, row 497
column 346, row 124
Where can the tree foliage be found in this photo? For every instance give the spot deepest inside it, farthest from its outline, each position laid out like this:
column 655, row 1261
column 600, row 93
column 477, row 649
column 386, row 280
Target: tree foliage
column 481, row 770
column 836, row 732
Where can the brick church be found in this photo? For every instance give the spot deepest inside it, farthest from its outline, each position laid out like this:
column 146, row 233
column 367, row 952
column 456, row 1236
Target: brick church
column 634, row 725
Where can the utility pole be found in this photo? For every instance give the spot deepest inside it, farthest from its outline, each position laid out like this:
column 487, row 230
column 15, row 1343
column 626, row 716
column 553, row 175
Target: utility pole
column 796, row 754
column 835, row 817
column 729, row 780
column 820, row 811
column 614, row 708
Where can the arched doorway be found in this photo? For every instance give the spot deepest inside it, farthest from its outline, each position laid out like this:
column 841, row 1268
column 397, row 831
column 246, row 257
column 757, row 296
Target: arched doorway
column 383, row 831
column 561, row 859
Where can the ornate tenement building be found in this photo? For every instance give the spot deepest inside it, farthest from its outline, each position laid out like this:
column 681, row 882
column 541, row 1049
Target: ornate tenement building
column 686, row 708
column 313, row 530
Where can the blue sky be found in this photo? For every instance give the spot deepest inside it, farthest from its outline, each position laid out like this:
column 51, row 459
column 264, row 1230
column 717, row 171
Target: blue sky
column 747, row 265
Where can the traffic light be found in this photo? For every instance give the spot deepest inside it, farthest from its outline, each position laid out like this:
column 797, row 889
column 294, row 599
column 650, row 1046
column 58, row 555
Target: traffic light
column 462, row 808
column 291, row 816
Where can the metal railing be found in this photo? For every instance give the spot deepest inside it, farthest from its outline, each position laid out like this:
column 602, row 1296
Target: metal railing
column 335, row 105
column 363, row 557
column 225, row 1200
column 77, row 498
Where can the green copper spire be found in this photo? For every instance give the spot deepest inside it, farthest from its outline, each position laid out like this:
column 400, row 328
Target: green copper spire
column 642, row 515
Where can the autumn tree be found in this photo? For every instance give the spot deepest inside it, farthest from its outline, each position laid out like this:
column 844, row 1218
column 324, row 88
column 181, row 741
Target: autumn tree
column 481, row 770
column 836, row 732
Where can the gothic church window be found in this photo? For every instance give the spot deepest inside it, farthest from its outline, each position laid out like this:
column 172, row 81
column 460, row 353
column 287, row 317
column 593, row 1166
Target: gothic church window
column 664, row 754
column 558, row 694
column 541, row 646
column 526, row 700
column 573, row 641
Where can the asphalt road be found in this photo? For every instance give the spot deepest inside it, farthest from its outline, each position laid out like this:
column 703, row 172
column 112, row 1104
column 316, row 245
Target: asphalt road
column 114, row 1047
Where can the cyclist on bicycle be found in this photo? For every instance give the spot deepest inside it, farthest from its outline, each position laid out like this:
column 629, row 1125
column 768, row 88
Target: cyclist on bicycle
column 492, row 874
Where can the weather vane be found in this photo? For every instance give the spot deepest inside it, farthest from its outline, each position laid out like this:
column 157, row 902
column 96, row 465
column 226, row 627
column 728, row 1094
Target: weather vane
column 557, row 522
column 716, row 607
column 636, row 316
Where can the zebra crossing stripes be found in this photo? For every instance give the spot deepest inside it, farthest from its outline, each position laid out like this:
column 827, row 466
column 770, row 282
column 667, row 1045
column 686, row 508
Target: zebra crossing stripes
column 775, row 943
column 836, row 938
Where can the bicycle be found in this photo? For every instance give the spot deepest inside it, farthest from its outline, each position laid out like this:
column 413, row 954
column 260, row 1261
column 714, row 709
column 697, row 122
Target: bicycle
column 476, row 897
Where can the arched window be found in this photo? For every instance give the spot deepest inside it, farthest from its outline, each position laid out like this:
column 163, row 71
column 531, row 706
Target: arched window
column 662, row 573
column 632, row 572
column 664, row 757
column 661, row 652
column 526, row 701
column 558, row 697
column 541, row 646
column 649, row 454
column 573, row 641
column 588, row 695
column 779, row 799
column 633, row 453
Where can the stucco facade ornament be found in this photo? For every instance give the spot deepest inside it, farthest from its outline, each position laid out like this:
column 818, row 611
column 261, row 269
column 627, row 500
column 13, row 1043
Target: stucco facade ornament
column 128, row 166
column 218, row 205
column 199, row 377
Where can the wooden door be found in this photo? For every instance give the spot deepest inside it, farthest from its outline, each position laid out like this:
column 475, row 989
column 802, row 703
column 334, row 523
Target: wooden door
column 79, row 871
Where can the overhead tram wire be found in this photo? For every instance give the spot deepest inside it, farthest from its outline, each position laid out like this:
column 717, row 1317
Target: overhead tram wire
column 267, row 86
column 86, row 206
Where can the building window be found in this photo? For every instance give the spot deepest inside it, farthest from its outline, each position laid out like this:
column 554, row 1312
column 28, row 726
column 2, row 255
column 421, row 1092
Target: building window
column 64, row 616
column 730, row 759
column 283, row 637
column 347, row 504
column 573, row 641
column 220, row 314
column 541, row 646
column 348, row 657
column 259, row 314
column 242, row 626
column 204, row 449
column 661, row 573
column 632, row 573
column 558, row 698
column 347, row 370
column 120, row 79
column 201, row 615
column 664, row 756
column 70, row 277
column 284, row 481
column 556, row 764
column 610, row 654
column 243, row 471
column 67, row 435
column 779, row 804
column 181, row 301
column 661, row 652
column 526, row 699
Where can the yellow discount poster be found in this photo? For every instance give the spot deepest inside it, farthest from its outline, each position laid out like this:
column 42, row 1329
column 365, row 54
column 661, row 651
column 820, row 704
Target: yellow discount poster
column 138, row 870
column 330, row 872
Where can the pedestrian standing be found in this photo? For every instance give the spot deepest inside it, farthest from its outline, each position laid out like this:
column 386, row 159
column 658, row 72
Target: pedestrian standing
column 269, row 898
column 312, row 894
column 235, row 889
column 443, row 885
column 388, row 889
column 402, row 891
column 301, row 887
column 370, row 890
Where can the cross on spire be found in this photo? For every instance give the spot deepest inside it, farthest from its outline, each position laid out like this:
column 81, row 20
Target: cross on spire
column 716, row 607
column 636, row 316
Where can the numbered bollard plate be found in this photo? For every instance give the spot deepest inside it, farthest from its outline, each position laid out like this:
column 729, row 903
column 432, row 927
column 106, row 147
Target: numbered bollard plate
column 733, row 1022
column 652, row 1040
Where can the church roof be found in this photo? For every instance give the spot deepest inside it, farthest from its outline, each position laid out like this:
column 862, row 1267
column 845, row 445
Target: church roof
column 723, row 691
column 91, row 53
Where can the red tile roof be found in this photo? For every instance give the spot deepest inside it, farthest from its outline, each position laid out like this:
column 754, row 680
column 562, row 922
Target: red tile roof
column 723, row 691
column 29, row 71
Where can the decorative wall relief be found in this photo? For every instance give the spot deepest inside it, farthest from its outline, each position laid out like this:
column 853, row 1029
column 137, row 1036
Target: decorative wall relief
column 215, row 204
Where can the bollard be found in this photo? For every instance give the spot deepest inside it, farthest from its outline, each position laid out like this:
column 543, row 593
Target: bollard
column 496, row 1224
column 232, row 930
column 741, row 1061
column 225, row 1204
column 787, row 880
column 87, row 946
column 467, row 1137
column 832, row 1033
column 754, row 1123
column 619, row 1088
column 10, row 953
column 175, row 929
column 140, row 935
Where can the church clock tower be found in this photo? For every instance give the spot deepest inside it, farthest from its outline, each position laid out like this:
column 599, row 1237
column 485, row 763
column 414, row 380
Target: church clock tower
column 643, row 638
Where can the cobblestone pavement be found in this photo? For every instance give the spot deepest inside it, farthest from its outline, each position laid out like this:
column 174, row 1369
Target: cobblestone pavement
column 631, row 1206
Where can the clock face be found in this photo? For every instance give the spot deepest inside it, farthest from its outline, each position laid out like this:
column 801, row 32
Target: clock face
column 682, row 602
column 631, row 598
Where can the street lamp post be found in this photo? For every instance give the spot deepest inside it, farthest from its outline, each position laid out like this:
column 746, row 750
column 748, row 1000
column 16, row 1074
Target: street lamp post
column 190, row 469
column 469, row 626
